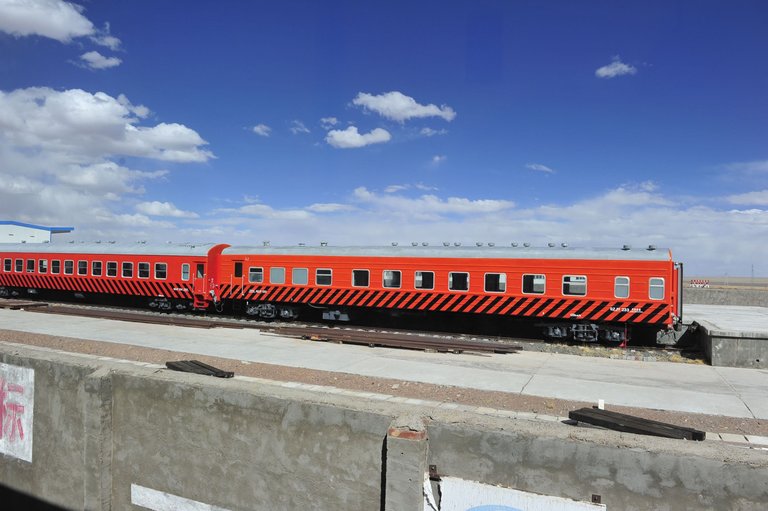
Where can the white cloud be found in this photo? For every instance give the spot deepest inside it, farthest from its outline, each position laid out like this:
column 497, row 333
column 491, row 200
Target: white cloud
column 59, row 155
column 399, row 107
column 54, row 19
column 417, row 186
column 92, row 126
column 429, row 132
column 429, row 206
column 265, row 211
column 96, row 60
column 758, row 198
column 538, row 167
column 351, row 138
column 615, row 68
column 298, row 127
column 156, row 208
column 262, row 130
column 438, row 159
column 104, row 38
column 330, row 207
column 749, row 167
column 328, row 122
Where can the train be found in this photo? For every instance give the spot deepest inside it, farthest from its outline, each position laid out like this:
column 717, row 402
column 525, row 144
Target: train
column 568, row 293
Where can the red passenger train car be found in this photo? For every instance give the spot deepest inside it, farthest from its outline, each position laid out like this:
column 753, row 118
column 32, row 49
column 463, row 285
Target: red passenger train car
column 572, row 293
column 596, row 294
column 164, row 276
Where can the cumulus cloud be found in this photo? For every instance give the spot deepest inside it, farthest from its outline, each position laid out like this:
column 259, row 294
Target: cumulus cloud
column 156, row 208
column 351, row 138
column 298, row 127
column 62, row 157
column 262, row 130
column 92, row 125
column 54, row 19
column 615, row 68
column 758, row 198
column 399, row 107
column 96, row 60
column 538, row 167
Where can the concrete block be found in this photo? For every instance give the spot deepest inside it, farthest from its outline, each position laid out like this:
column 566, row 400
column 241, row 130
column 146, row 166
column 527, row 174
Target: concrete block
column 406, row 464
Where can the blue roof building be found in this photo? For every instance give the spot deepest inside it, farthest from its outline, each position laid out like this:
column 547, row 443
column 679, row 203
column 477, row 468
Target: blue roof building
column 18, row 232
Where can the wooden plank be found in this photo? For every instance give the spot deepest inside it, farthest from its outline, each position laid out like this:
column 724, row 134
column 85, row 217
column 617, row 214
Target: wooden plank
column 631, row 424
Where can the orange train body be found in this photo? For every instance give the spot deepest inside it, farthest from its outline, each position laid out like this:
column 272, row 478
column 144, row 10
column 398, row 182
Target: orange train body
column 582, row 294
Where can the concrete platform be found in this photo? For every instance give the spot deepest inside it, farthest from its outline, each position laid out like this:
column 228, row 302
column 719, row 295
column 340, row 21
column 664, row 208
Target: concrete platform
column 678, row 387
column 732, row 336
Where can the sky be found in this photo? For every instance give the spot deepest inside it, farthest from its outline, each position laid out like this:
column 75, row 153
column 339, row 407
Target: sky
column 592, row 123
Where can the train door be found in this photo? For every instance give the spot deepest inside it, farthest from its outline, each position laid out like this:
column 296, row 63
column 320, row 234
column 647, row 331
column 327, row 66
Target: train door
column 237, row 277
column 200, row 285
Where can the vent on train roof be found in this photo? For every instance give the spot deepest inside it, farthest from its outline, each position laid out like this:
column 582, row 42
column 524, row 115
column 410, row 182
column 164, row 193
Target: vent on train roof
column 626, row 247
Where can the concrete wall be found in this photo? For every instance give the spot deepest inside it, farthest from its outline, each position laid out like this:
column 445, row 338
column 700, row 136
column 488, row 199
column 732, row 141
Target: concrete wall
column 109, row 434
column 715, row 296
column 732, row 349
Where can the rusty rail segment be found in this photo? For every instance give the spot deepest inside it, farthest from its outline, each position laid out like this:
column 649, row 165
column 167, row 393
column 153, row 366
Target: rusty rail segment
column 631, row 424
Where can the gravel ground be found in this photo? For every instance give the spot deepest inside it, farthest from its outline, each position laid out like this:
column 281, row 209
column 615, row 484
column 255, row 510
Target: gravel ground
column 441, row 393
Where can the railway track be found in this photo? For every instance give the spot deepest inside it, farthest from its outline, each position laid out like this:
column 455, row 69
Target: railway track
column 342, row 335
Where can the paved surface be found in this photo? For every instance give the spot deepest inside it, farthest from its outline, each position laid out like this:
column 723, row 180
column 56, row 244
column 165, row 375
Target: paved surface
column 730, row 320
column 667, row 386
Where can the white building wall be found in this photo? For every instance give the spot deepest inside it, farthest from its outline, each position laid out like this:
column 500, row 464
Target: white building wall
column 23, row 234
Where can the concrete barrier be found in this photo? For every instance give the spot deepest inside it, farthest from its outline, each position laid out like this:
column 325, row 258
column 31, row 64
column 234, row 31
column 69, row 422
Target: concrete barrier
column 725, row 296
column 115, row 435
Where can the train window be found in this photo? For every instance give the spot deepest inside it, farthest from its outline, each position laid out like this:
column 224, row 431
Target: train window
column 30, row 265
column 458, row 281
column 391, row 278
column 185, row 271
column 42, row 265
column 300, row 276
column 69, row 267
column 199, row 270
column 239, row 270
column 82, row 267
column 7, row 264
column 143, row 270
column 323, row 277
column 361, row 278
column 495, row 282
column 255, row 275
column 424, row 280
column 656, row 288
column 111, row 269
column 534, row 284
column 621, row 287
column 96, row 268
column 277, row 275
column 574, row 285
column 127, row 270
column 56, row 266
column 19, row 265
column 161, row 271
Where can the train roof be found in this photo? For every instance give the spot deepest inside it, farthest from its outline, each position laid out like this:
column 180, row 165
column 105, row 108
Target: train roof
column 485, row 251
column 449, row 252
column 109, row 248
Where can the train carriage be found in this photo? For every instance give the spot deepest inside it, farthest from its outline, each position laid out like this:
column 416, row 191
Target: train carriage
column 162, row 276
column 573, row 293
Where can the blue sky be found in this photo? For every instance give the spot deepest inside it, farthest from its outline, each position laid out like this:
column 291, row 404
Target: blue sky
column 595, row 123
